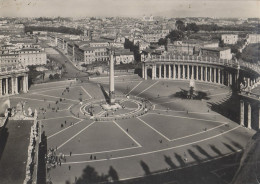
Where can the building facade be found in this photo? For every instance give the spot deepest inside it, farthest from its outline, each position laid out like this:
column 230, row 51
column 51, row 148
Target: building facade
column 26, row 54
column 253, row 38
column 124, row 56
column 229, row 38
column 218, row 52
column 13, row 80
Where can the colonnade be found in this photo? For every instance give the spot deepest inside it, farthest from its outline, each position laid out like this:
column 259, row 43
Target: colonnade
column 10, row 85
column 206, row 73
column 246, row 112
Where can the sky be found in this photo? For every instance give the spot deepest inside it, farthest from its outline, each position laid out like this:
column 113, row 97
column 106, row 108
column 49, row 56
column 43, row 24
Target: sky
column 130, row 8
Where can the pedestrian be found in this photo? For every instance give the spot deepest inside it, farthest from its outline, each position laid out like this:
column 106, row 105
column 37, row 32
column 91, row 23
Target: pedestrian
column 90, row 157
column 70, row 153
column 95, row 157
column 61, row 125
column 127, row 129
column 69, row 167
column 65, row 122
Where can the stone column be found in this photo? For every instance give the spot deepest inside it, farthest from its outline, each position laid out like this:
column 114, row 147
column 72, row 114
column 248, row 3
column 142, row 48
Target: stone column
column 160, row 71
column 183, row 72
column 174, row 72
column 16, row 84
column 1, row 87
column 197, row 74
column 237, row 80
column 201, row 73
column 164, row 71
column 242, row 113
column 236, row 83
column 12, row 82
column 179, row 71
column 27, row 84
column 231, row 79
column 249, row 116
column 210, row 74
column 248, row 81
column 218, row 75
column 24, row 85
column 153, row 72
column 192, row 72
column 215, row 75
column 223, row 76
column 169, row 71
column 143, row 64
column 206, row 76
column 227, row 75
column 6, row 86
column 188, row 72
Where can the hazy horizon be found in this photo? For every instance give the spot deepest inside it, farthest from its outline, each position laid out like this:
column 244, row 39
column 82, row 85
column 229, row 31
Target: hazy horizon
column 130, row 8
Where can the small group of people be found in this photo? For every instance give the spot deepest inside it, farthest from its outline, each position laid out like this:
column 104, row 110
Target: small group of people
column 65, row 123
column 52, row 159
column 93, row 157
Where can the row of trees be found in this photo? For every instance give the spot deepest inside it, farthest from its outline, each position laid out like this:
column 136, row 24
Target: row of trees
column 180, row 25
column 193, row 27
column 41, row 19
column 174, row 35
column 60, row 29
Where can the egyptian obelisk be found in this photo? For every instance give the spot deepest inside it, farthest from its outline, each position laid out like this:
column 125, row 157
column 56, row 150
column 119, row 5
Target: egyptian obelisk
column 111, row 80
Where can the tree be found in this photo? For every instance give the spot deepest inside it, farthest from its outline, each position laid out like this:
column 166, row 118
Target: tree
column 56, row 76
column 112, row 172
column 91, row 176
column 176, row 35
column 221, row 43
column 180, row 25
column 162, row 41
column 192, row 27
column 51, row 77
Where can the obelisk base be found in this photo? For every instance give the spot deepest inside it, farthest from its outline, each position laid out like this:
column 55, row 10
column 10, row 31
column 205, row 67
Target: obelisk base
column 112, row 99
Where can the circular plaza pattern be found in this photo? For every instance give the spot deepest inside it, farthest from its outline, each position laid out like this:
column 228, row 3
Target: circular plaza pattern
column 125, row 107
column 175, row 133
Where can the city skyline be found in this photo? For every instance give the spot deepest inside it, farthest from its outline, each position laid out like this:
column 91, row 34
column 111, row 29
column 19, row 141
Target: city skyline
column 126, row 8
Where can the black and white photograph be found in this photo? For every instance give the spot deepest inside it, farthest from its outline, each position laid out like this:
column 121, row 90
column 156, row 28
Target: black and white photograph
column 129, row 91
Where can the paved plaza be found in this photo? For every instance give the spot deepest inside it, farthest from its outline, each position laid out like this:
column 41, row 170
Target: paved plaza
column 174, row 133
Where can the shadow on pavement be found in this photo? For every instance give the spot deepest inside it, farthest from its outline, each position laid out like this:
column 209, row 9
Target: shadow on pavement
column 3, row 139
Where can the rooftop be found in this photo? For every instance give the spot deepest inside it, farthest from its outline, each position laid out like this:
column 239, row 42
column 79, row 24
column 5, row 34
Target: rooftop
column 13, row 151
column 30, row 49
column 218, row 49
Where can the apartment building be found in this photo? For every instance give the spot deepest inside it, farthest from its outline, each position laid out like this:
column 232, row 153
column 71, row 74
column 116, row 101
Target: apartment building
column 229, row 38
column 217, row 52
